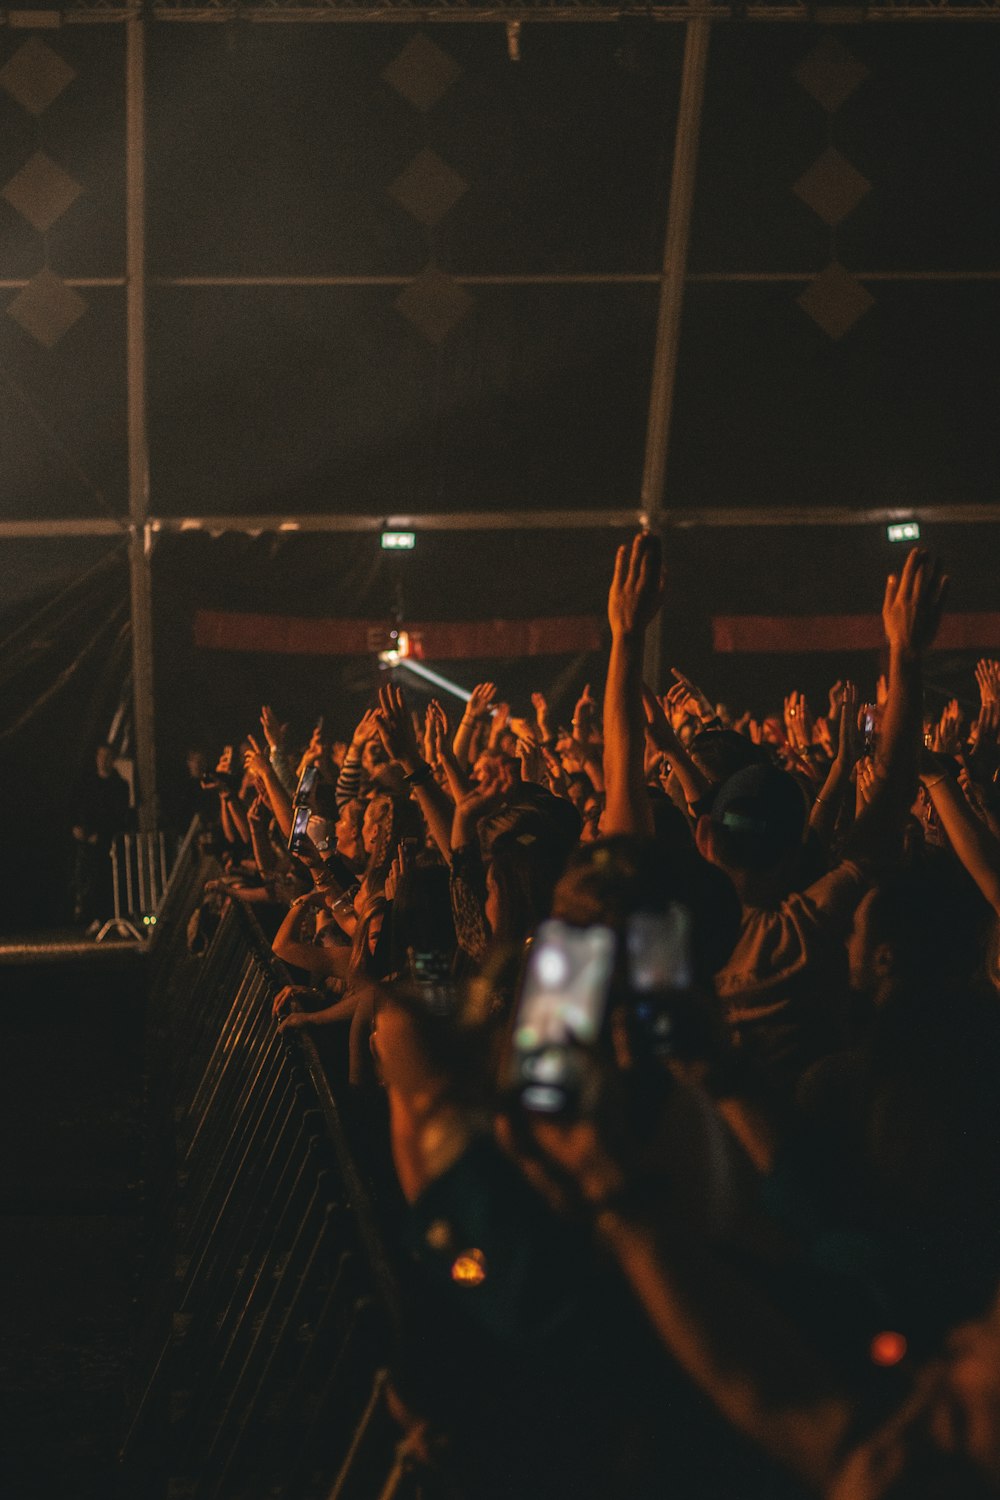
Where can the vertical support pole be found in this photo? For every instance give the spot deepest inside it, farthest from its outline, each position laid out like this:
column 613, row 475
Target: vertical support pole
column 140, row 535
column 668, row 321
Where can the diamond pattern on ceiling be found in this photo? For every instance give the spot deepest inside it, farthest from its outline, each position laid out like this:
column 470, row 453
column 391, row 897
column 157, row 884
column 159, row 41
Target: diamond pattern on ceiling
column 830, row 73
column 41, row 191
column 423, row 72
column 831, row 187
column 434, row 303
column 428, row 188
column 35, row 75
column 47, row 308
column 835, row 300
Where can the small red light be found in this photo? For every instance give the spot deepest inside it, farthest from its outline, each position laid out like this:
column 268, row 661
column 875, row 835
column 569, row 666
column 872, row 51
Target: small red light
column 888, row 1349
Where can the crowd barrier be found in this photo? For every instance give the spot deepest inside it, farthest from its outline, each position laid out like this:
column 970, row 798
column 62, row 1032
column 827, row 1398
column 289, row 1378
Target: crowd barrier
column 144, row 866
column 270, row 1310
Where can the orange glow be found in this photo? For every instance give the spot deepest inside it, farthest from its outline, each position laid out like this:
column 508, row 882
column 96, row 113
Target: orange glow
column 469, row 1268
column 888, row 1349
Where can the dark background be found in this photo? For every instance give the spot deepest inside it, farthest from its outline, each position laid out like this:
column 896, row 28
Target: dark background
column 271, row 150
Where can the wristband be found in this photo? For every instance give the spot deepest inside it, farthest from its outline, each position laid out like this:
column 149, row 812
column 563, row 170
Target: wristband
column 936, row 782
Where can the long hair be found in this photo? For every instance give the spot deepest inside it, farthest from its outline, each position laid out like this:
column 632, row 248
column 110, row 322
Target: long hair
column 398, row 819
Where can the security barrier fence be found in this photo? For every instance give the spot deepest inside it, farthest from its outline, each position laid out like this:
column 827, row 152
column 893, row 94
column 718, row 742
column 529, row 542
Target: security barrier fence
column 270, row 1310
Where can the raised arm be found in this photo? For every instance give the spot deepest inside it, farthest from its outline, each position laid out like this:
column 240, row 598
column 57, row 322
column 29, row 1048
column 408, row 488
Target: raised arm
column 911, row 612
column 259, row 765
column 476, row 711
column 829, row 800
column 395, row 728
column 971, row 840
column 693, row 782
column 633, row 602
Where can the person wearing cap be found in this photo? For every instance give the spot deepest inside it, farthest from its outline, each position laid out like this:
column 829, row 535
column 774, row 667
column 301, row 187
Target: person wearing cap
column 785, row 984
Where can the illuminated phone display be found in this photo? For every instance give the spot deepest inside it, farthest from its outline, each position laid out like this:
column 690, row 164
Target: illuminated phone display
column 563, row 1003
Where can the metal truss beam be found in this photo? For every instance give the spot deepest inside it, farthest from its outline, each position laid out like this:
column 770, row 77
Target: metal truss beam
column 464, row 12
column 733, row 518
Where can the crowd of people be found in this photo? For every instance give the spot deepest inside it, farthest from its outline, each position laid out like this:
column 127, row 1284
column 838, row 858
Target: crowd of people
column 672, row 1042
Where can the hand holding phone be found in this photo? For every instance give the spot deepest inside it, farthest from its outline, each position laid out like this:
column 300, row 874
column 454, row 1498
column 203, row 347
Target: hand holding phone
column 561, row 1012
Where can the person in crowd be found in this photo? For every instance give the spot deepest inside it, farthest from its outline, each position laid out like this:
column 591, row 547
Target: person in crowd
column 721, row 1215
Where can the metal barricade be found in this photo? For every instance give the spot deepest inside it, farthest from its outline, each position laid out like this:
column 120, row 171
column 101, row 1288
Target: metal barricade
column 144, row 866
column 271, row 1309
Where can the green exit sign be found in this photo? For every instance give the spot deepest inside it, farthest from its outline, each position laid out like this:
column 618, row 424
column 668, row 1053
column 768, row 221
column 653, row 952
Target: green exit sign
column 399, row 541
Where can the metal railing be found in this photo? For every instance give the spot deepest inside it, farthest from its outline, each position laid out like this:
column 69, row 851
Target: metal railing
column 271, row 1313
column 144, row 867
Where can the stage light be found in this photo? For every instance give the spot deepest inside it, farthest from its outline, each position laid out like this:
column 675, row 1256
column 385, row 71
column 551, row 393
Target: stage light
column 420, row 670
column 398, row 541
column 906, row 531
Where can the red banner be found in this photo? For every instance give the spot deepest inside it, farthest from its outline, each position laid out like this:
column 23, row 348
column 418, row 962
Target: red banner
column 802, row 633
column 224, row 630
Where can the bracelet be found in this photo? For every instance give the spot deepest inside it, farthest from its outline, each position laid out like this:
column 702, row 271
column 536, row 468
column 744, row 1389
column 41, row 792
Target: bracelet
column 929, row 784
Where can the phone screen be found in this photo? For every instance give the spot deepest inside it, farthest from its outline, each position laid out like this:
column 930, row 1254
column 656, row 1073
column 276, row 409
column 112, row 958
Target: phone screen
column 307, row 782
column 564, row 998
column 658, row 952
column 300, row 830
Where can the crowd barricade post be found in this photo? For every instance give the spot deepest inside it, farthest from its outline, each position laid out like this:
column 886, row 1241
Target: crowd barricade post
column 145, row 870
column 270, row 1314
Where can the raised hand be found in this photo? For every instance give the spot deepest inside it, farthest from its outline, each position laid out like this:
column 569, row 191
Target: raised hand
column 367, row 729
column 225, row 762
column 395, row 727
column 913, row 603
column 865, row 783
column 658, row 726
column 798, row 722
column 949, row 739
column 583, row 715
column 836, row 699
column 254, row 759
column 274, row 732
column 637, row 585
column 259, row 811
column 988, row 679
column 500, row 721
column 695, row 701
column 849, row 744
column 540, row 704
column 396, row 872
column 481, row 699
column 529, row 757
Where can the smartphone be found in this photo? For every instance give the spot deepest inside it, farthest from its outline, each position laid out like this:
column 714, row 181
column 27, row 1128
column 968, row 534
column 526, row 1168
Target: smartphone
column 307, row 782
column 869, row 727
column 561, row 1010
column 430, row 972
column 658, row 965
column 298, row 839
